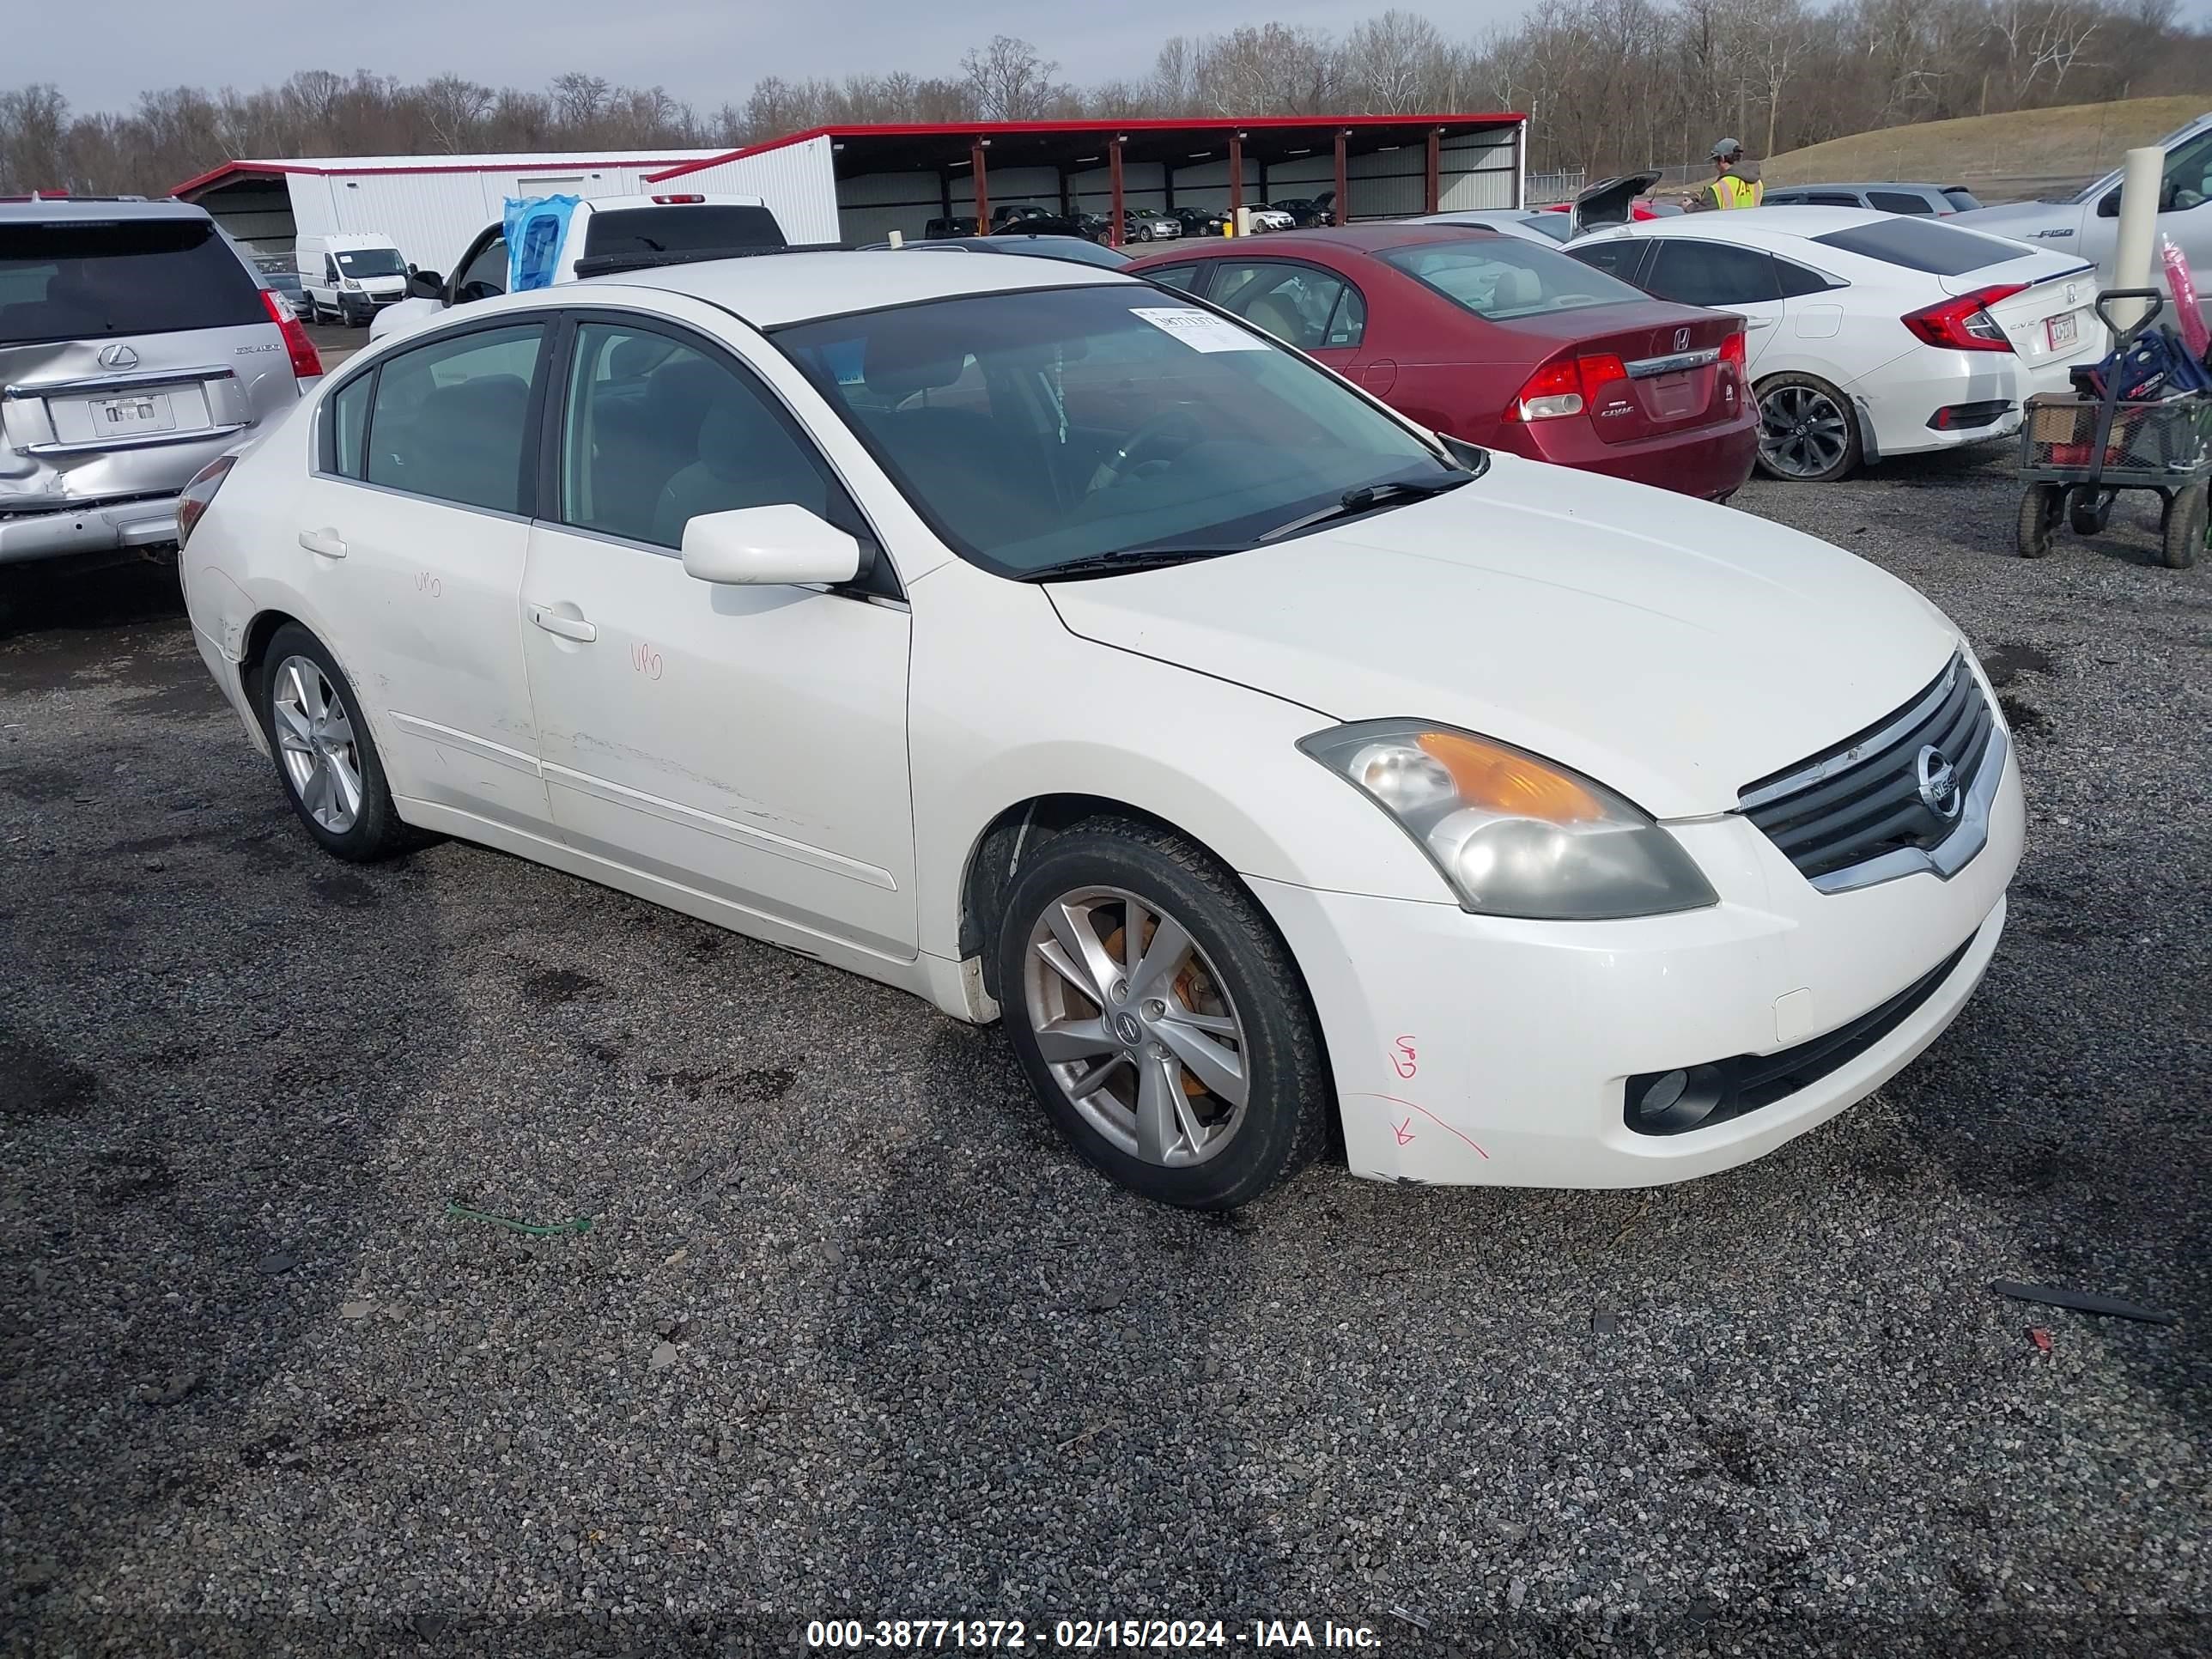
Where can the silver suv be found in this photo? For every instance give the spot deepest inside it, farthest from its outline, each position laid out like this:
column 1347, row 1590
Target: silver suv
column 136, row 345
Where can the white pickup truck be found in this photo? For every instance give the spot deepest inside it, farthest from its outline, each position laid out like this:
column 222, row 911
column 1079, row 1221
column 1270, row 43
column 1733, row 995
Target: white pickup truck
column 601, row 235
column 2087, row 223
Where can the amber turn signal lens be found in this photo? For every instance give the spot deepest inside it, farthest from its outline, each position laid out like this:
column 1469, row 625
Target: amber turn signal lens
column 1508, row 782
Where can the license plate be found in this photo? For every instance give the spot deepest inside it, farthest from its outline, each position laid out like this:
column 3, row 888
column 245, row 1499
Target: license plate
column 2063, row 331
column 148, row 413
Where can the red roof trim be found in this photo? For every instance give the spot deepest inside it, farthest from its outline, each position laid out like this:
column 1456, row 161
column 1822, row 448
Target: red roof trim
column 262, row 169
column 994, row 129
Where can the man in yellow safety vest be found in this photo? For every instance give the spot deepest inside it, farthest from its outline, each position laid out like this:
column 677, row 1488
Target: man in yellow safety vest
column 1735, row 183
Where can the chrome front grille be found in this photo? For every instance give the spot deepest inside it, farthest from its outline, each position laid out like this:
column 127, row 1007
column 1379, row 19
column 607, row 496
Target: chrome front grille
column 1911, row 793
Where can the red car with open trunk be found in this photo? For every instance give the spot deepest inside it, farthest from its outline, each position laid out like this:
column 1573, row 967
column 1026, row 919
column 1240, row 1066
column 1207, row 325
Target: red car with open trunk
column 1500, row 341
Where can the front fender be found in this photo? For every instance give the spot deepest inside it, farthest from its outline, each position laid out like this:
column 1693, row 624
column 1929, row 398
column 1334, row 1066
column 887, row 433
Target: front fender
column 1007, row 705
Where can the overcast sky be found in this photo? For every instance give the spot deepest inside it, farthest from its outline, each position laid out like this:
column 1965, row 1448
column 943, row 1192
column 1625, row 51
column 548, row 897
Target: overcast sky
column 702, row 53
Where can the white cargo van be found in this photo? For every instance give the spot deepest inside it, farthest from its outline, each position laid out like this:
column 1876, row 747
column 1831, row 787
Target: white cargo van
column 349, row 278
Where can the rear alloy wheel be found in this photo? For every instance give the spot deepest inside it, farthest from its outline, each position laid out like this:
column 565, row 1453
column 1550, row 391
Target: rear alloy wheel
column 1807, row 431
column 1159, row 1016
column 328, row 762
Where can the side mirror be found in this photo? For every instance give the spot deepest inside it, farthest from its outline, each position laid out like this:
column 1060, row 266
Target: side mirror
column 425, row 284
column 2110, row 207
column 757, row 546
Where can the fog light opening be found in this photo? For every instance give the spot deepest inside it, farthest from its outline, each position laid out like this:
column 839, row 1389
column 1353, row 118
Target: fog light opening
column 1668, row 1103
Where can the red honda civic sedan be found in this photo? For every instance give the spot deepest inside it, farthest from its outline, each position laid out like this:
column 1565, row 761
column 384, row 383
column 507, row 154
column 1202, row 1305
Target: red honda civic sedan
column 1499, row 341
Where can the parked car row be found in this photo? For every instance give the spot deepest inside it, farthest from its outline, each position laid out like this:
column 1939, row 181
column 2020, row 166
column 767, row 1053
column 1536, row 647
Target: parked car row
column 1138, row 225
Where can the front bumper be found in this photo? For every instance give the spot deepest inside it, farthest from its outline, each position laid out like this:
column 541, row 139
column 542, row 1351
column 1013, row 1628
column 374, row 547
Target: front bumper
column 95, row 527
column 1476, row 1050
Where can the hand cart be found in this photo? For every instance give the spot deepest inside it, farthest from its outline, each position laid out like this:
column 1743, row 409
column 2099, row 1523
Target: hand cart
column 2077, row 454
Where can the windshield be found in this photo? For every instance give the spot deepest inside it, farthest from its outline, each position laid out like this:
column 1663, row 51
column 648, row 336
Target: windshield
column 82, row 278
column 370, row 261
column 1499, row 278
column 1036, row 429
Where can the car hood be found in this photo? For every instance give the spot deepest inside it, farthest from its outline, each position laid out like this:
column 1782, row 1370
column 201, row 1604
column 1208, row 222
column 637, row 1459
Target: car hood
column 1672, row 649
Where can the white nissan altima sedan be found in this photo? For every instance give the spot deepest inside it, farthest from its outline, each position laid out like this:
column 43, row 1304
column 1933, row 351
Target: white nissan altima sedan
column 1049, row 646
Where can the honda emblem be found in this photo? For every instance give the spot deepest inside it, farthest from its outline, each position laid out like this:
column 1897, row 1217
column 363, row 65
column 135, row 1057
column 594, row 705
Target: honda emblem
column 1681, row 339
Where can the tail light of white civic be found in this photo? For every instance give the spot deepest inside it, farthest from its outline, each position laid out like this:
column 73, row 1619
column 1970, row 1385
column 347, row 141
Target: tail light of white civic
column 1964, row 324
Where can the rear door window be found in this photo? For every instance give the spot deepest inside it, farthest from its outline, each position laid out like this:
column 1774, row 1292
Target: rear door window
column 1693, row 272
column 1182, row 276
column 452, row 418
column 1619, row 258
column 1502, row 279
column 1832, row 198
column 1298, row 305
column 347, row 425
column 1899, row 201
column 685, row 227
column 84, row 279
column 1923, row 245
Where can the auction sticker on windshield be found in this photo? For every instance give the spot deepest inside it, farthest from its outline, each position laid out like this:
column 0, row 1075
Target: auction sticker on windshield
column 1201, row 330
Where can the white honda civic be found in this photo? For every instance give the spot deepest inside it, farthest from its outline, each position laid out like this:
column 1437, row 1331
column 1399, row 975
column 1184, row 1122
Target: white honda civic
column 1871, row 335
column 1044, row 643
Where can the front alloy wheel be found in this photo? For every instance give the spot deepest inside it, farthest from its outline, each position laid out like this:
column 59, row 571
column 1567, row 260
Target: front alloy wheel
column 1132, row 1021
column 1159, row 1016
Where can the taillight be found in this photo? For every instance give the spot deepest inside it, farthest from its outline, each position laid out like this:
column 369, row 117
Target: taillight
column 1732, row 352
column 306, row 363
column 1566, row 385
column 1964, row 324
column 196, row 494
column 678, row 201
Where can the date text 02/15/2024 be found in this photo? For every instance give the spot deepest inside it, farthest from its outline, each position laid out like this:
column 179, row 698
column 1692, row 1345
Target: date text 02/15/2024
column 1081, row 1635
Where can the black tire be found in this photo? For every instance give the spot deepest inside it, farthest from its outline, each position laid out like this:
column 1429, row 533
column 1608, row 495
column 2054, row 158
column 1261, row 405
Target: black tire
column 1285, row 1069
column 2087, row 511
column 1771, row 451
column 376, row 830
column 2181, row 528
column 2041, row 508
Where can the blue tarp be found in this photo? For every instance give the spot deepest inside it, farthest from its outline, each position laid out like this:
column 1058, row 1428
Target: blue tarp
column 536, row 226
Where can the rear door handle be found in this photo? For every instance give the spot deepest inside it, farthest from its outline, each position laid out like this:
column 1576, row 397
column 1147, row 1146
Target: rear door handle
column 568, row 628
column 327, row 542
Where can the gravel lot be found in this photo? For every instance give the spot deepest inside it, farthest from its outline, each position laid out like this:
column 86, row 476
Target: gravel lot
column 851, row 1335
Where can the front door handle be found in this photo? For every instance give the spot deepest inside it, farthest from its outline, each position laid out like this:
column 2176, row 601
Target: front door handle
column 325, row 541
column 568, row 628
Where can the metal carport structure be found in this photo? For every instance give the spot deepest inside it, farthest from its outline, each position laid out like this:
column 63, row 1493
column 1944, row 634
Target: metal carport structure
column 897, row 177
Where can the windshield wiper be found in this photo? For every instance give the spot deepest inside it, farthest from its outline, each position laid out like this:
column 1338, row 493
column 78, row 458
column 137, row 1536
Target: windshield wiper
column 1123, row 561
column 1371, row 496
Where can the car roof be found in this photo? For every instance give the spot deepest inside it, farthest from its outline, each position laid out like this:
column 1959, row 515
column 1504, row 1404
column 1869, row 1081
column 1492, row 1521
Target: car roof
column 1353, row 238
column 1794, row 223
column 771, row 289
column 58, row 210
column 1877, row 183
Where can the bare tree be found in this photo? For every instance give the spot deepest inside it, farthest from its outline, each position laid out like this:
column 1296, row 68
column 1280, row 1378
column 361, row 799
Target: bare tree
column 1009, row 81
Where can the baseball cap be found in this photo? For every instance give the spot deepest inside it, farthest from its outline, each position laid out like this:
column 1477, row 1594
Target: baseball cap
column 1727, row 146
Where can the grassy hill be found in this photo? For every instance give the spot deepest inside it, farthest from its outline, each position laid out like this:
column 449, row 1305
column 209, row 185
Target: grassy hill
column 2000, row 157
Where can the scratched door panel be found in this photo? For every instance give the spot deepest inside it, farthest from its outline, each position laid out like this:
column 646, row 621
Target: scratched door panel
column 425, row 609
column 749, row 742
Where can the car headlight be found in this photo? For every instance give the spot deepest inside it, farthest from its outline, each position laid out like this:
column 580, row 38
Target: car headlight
column 349, row 285
column 1515, row 835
